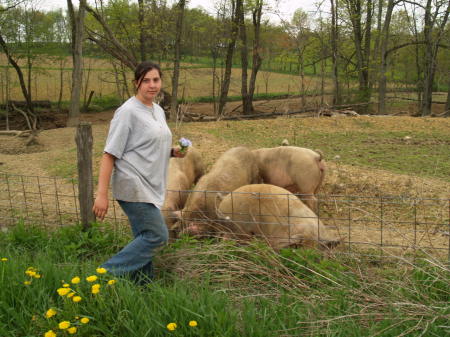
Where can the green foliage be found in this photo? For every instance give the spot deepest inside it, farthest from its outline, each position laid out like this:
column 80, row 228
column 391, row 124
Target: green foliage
column 106, row 102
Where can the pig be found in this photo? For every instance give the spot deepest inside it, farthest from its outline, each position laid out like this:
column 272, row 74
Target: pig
column 275, row 214
column 299, row 170
column 183, row 174
column 235, row 168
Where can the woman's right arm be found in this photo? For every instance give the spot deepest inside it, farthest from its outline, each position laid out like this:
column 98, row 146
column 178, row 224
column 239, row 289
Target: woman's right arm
column 101, row 201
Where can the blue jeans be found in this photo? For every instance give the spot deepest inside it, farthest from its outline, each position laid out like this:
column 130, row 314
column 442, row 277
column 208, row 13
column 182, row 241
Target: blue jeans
column 150, row 232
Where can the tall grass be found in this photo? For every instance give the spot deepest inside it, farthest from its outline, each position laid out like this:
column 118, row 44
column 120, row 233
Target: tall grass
column 228, row 289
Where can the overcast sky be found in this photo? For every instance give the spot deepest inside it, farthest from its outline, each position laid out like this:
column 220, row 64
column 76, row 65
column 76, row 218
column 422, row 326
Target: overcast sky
column 285, row 7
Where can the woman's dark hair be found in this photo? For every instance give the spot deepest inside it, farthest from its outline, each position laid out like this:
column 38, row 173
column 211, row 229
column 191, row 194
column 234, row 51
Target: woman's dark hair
column 142, row 69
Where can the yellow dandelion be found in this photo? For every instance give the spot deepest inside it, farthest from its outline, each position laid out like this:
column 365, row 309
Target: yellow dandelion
column 111, row 282
column 63, row 291
column 30, row 273
column 70, row 295
column 95, row 288
column 84, row 320
column 66, row 285
column 50, row 333
column 4, row 259
column 92, row 278
column 192, row 323
column 76, row 299
column 27, row 283
column 171, row 326
column 72, row 330
column 101, row 270
column 50, row 313
column 75, row 280
column 64, row 325
column 37, row 275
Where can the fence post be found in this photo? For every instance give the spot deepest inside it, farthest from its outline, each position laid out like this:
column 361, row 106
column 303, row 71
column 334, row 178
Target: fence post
column 84, row 142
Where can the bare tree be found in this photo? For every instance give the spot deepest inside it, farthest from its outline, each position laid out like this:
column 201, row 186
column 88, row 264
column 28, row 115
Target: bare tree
column 225, row 85
column 447, row 103
column 248, row 89
column 384, row 38
column 108, row 41
column 77, row 23
column 362, row 30
column 337, row 97
column 176, row 61
column 142, row 34
column 256, row 57
column 434, row 25
column 246, row 102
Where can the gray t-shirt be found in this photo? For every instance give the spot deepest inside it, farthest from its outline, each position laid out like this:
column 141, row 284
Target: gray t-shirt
column 140, row 140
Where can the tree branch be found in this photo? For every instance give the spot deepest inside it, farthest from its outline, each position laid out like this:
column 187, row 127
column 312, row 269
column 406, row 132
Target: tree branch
column 126, row 56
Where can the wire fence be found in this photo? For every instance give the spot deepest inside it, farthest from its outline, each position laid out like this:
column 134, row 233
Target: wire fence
column 403, row 225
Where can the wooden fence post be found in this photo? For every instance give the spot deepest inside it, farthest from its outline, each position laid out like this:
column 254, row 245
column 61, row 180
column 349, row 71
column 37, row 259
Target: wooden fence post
column 84, row 142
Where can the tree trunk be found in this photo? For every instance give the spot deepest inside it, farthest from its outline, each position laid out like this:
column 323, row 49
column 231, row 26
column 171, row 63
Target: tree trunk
column 176, row 61
column 246, row 102
column 77, row 20
column 432, row 35
column 257, row 60
column 337, row 98
column 362, row 44
column 229, row 58
column 141, row 18
column 61, row 82
column 19, row 72
column 447, row 104
column 383, row 62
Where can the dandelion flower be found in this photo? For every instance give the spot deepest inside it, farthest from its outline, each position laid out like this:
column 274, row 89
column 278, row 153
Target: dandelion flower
column 27, row 283
column 64, row 325
column 66, row 285
column 37, row 275
column 171, row 326
column 92, row 278
column 4, row 259
column 63, row 291
column 72, row 330
column 70, row 295
column 101, row 271
column 75, row 280
column 30, row 273
column 192, row 323
column 50, row 313
column 84, row 320
column 76, row 299
column 95, row 288
column 111, row 282
column 50, row 333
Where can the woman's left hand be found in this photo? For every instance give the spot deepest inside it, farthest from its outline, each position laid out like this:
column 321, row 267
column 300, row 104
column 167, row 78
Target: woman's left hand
column 178, row 154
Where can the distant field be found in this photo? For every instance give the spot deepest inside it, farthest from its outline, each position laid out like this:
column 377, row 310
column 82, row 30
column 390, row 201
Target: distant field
column 195, row 81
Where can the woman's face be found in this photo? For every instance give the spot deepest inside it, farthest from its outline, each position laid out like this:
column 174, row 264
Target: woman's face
column 149, row 87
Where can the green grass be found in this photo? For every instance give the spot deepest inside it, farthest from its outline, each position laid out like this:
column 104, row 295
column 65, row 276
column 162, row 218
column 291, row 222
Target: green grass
column 229, row 290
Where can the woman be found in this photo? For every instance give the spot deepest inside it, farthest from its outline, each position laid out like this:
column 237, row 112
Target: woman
column 138, row 147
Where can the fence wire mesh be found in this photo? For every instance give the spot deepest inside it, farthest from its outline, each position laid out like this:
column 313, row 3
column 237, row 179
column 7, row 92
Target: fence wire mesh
column 403, row 225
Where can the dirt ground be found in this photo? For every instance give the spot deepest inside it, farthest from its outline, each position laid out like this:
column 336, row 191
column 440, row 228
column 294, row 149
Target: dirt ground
column 355, row 221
